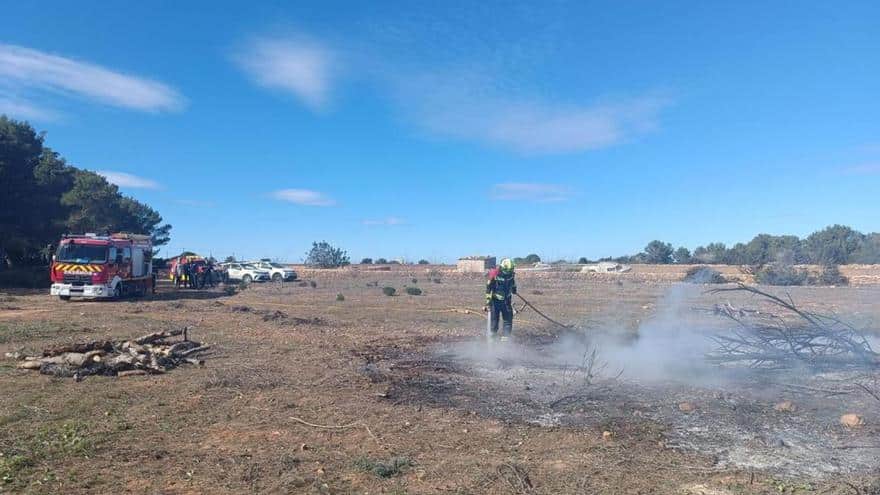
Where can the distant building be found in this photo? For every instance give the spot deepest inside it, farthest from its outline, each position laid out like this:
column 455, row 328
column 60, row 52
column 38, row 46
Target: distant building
column 476, row 264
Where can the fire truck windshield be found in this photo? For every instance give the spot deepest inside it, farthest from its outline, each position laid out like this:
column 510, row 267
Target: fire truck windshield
column 81, row 253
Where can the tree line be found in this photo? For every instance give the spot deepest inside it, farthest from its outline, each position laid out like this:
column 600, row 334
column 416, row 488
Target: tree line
column 43, row 197
column 833, row 245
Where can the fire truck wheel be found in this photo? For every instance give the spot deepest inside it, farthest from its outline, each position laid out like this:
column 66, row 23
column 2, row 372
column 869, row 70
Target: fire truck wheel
column 117, row 292
column 64, row 298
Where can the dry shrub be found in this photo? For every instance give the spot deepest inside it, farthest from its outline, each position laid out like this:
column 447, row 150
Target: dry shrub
column 704, row 275
column 389, row 291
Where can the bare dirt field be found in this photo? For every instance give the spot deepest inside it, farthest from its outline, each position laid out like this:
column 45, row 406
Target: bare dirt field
column 306, row 392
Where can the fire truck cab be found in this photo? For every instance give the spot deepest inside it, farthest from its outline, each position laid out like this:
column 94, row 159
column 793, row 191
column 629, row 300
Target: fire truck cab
column 94, row 266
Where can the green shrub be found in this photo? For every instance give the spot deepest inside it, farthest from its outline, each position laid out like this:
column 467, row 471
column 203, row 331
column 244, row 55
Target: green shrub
column 381, row 261
column 414, row 291
column 389, row 291
column 437, row 280
column 781, row 274
column 367, row 261
column 704, row 275
column 323, row 255
column 340, row 297
column 831, row 275
column 424, row 262
column 383, row 469
column 414, row 280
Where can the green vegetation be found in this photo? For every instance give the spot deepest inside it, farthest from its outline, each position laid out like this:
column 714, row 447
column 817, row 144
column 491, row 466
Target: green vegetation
column 384, row 469
column 389, row 291
column 44, row 197
column 323, row 255
column 424, row 262
column 414, row 291
column 833, row 245
column 340, row 297
column 367, row 261
column 704, row 275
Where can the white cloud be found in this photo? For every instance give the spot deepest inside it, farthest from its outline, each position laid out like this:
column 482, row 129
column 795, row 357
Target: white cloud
column 299, row 67
column 27, row 70
column 303, row 197
column 539, row 193
column 390, row 221
column 21, row 109
column 123, row 179
column 536, row 127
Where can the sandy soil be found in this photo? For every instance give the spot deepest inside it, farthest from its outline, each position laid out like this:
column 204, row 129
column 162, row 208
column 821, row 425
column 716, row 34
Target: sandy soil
column 304, row 393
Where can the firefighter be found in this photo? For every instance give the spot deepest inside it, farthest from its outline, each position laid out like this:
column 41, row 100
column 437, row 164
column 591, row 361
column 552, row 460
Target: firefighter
column 499, row 298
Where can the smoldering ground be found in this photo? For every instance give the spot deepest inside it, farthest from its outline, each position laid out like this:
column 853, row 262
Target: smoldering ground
column 605, row 374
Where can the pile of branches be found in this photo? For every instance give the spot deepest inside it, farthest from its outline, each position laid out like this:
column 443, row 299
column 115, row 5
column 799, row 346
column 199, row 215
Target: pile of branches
column 793, row 338
column 154, row 353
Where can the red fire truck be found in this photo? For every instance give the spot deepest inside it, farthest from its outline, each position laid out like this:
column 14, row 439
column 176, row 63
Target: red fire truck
column 113, row 266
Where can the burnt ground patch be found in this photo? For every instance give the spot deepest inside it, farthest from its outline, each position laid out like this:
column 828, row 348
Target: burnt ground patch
column 736, row 424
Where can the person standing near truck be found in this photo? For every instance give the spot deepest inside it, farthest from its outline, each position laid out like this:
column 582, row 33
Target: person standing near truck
column 500, row 289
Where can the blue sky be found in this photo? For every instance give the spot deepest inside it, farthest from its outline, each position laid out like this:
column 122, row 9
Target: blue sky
column 439, row 129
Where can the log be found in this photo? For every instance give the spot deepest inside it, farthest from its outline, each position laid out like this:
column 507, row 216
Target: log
column 180, row 347
column 146, row 339
column 104, row 345
column 194, row 350
column 29, row 365
column 123, row 374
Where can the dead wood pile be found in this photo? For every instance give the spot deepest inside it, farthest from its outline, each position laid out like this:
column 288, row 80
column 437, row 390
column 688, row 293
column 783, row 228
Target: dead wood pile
column 153, row 353
column 793, row 338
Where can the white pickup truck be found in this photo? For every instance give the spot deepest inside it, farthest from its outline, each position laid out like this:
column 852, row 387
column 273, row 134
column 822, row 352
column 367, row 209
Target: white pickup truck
column 277, row 271
column 246, row 273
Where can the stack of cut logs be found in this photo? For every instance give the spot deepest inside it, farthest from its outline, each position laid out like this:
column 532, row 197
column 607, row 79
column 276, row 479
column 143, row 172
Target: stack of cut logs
column 151, row 354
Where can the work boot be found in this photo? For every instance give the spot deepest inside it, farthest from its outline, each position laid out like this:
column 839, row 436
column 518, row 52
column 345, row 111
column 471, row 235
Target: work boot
column 505, row 338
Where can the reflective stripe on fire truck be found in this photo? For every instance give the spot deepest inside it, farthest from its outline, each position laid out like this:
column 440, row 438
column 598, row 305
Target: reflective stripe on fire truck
column 78, row 268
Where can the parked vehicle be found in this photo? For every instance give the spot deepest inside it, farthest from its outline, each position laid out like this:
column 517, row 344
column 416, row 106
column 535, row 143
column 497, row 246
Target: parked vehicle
column 94, row 266
column 277, row 271
column 245, row 272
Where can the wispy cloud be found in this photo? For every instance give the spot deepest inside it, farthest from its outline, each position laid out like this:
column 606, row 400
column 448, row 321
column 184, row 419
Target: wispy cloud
column 123, row 179
column 532, row 126
column 303, row 197
column 870, row 168
column 37, row 74
column 538, row 193
column 296, row 66
column 389, row 221
column 25, row 110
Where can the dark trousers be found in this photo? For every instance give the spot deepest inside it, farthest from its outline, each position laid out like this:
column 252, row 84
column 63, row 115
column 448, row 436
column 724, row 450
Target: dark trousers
column 505, row 310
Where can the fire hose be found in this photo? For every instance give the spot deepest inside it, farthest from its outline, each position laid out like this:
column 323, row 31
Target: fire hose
column 542, row 315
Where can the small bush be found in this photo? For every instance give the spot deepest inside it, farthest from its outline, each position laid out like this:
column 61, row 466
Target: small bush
column 537, row 292
column 831, row 275
column 437, row 280
column 313, row 284
column 704, row 275
column 424, row 262
column 383, row 469
column 367, row 261
column 781, row 274
column 389, row 291
column 340, row 297
column 414, row 280
column 414, row 291
column 381, row 261
column 323, row 255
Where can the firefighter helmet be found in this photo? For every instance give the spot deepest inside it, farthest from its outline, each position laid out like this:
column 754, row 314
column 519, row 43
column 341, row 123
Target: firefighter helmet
column 507, row 265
